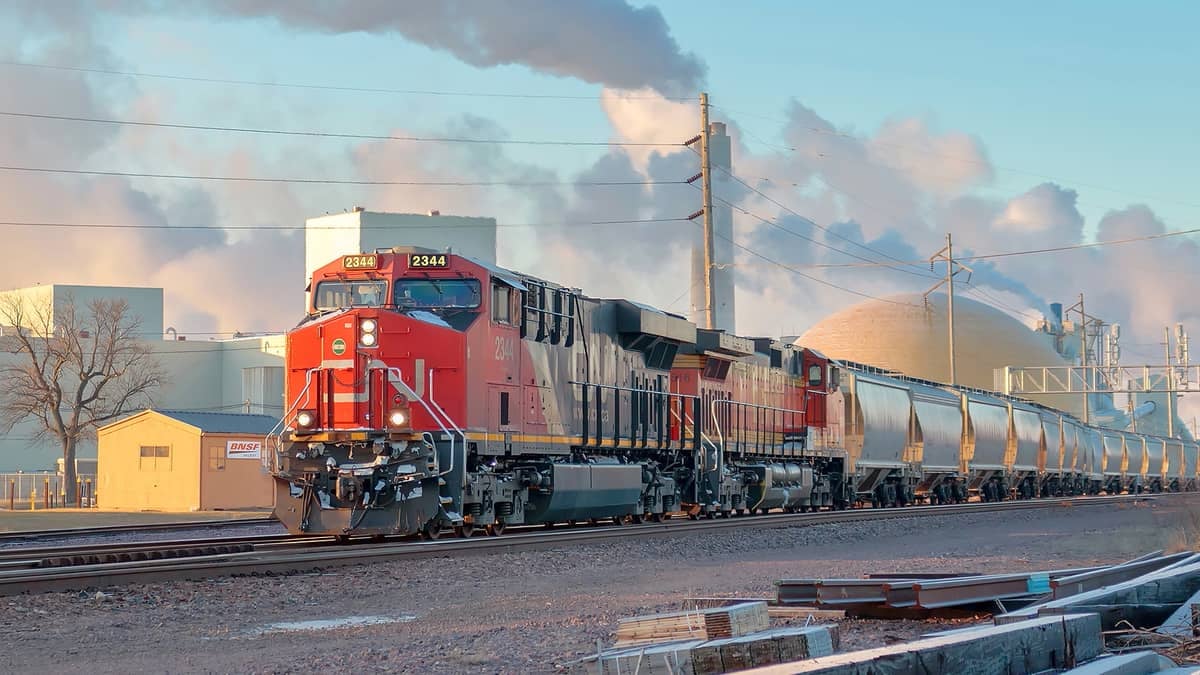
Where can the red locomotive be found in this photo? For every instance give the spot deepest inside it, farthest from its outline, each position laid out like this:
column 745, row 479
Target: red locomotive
column 428, row 391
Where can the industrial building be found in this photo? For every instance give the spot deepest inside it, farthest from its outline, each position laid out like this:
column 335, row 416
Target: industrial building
column 362, row 231
column 174, row 460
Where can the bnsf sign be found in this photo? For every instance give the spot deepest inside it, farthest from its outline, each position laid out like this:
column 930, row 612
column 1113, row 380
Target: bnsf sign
column 243, row 449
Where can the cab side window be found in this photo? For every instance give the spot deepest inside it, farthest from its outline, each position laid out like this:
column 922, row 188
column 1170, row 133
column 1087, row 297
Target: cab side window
column 501, row 304
column 814, row 375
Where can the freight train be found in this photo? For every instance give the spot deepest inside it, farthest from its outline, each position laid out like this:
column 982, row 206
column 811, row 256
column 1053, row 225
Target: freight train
column 426, row 391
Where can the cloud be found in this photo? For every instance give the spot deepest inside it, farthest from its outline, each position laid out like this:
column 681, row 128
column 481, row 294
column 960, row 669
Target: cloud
column 1046, row 210
column 606, row 42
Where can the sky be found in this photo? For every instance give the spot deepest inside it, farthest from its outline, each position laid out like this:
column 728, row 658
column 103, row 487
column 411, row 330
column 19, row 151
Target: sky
column 1013, row 126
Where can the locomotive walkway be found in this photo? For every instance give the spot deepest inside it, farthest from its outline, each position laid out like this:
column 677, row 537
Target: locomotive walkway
column 45, row 569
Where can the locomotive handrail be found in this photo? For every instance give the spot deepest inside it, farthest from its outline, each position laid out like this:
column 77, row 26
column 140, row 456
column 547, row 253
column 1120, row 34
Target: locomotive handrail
column 303, row 392
column 664, row 398
column 742, row 404
column 399, row 377
column 433, row 400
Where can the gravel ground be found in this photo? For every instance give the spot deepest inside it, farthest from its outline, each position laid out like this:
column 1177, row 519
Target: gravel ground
column 522, row 612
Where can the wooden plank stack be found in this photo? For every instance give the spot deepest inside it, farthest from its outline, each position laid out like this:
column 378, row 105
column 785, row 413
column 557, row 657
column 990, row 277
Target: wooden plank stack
column 701, row 624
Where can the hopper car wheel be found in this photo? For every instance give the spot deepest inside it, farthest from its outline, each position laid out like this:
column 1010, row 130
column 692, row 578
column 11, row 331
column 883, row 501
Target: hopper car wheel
column 572, row 522
column 465, row 530
column 618, row 520
column 496, row 529
column 593, row 521
column 548, row 525
column 342, row 538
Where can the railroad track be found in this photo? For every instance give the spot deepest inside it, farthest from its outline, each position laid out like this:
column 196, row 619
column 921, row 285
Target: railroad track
column 34, row 535
column 22, row 571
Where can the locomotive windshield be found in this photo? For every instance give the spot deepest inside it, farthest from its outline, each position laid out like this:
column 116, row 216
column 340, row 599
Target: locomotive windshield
column 437, row 293
column 359, row 293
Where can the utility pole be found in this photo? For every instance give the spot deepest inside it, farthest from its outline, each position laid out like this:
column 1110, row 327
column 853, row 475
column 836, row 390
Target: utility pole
column 1170, row 383
column 1084, row 321
column 705, row 178
column 706, row 185
column 953, row 267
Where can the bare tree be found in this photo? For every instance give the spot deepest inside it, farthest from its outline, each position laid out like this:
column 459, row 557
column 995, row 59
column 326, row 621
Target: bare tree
column 72, row 369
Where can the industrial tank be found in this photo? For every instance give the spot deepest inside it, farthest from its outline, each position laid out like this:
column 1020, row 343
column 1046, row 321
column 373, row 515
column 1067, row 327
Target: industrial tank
column 907, row 335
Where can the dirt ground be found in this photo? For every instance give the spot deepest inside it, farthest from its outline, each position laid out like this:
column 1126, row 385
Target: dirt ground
column 528, row 612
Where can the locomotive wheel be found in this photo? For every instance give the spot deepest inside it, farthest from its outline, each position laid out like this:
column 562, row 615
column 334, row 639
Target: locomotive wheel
column 431, row 531
column 465, row 530
column 496, row 529
column 656, row 517
column 637, row 518
column 739, row 512
column 710, row 515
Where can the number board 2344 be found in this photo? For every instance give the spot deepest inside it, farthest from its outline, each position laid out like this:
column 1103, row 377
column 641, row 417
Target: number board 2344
column 428, row 261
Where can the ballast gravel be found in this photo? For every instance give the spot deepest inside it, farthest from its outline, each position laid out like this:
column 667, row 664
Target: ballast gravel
column 539, row 611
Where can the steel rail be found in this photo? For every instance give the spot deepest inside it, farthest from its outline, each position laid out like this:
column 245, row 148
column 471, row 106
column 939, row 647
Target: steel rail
column 56, row 556
column 325, row 556
column 18, row 535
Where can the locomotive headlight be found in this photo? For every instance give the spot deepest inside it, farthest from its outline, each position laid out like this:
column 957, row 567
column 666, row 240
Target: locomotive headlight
column 398, row 418
column 305, row 419
column 367, row 325
column 367, row 339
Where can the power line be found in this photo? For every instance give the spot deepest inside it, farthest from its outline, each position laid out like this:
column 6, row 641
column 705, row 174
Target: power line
column 816, row 225
column 328, row 134
column 956, row 158
column 337, row 181
column 797, row 272
column 327, row 87
column 152, row 226
column 818, row 280
column 1036, row 251
column 816, row 242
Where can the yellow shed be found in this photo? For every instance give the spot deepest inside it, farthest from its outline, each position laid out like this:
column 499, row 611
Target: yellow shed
column 180, row 460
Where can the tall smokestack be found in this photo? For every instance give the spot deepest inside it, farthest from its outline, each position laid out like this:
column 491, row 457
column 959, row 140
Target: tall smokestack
column 723, row 288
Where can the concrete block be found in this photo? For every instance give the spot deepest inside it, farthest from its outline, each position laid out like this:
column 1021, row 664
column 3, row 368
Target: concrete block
column 726, row 655
column 1028, row 646
column 1133, row 663
column 1180, row 621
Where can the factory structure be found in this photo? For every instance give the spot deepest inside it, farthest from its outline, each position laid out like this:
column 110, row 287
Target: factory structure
column 907, row 334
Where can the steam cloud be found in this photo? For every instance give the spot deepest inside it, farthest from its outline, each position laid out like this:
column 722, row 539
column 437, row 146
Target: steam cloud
column 605, row 42
column 896, row 190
